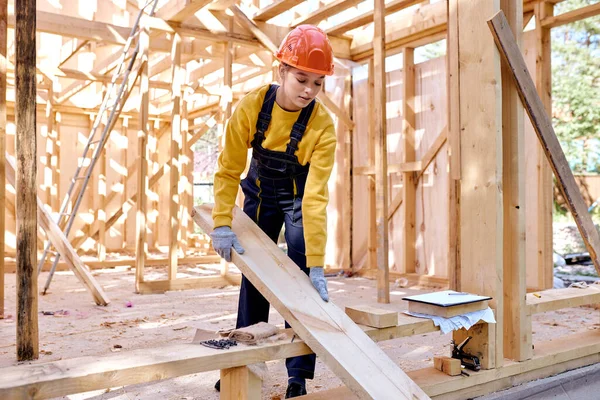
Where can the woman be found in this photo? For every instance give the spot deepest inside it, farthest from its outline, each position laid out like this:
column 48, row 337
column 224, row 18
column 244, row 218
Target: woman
column 293, row 145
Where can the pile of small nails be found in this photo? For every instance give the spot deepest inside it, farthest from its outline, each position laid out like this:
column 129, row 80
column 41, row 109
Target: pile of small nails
column 221, row 344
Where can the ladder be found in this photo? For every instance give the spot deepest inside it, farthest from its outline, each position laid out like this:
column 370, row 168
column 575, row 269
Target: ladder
column 113, row 101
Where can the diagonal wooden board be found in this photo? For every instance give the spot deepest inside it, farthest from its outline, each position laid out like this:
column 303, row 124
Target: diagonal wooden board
column 61, row 244
column 511, row 54
column 365, row 369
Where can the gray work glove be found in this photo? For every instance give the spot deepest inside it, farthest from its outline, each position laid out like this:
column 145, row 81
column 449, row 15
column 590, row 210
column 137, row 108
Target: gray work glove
column 318, row 280
column 223, row 239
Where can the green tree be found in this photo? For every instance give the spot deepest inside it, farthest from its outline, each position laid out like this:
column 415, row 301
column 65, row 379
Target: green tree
column 576, row 88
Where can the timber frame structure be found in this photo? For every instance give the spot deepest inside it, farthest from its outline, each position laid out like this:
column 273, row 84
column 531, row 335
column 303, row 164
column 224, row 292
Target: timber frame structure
column 431, row 181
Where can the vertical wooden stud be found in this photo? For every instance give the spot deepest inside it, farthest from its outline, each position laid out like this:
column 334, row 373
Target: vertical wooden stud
column 542, row 238
column 517, row 325
column 383, row 271
column 481, row 204
column 184, row 161
column 175, row 150
column 3, row 54
column 453, row 87
column 49, row 145
column 409, row 205
column 372, row 198
column 26, row 196
column 141, row 247
column 56, row 163
column 125, row 144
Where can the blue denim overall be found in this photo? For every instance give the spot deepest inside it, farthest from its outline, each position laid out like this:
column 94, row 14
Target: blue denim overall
column 273, row 190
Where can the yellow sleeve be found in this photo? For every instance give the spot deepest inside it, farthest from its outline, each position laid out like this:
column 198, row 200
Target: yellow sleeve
column 316, row 197
column 231, row 164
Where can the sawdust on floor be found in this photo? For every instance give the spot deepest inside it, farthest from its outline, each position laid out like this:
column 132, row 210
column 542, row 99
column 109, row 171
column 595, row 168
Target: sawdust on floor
column 80, row 328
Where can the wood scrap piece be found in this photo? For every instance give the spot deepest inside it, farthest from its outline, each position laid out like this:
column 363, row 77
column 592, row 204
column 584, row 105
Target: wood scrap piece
column 367, row 371
column 62, row 245
column 372, row 316
column 448, row 365
column 446, row 312
column 542, row 124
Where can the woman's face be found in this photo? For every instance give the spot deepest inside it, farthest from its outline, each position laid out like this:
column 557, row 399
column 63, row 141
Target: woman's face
column 299, row 88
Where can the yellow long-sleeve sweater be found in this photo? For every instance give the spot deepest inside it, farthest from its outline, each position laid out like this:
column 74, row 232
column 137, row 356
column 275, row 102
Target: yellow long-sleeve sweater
column 317, row 147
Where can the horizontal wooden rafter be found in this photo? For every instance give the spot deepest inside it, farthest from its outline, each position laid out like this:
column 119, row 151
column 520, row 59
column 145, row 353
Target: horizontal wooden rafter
column 324, row 12
column 367, row 17
column 274, row 9
column 180, row 10
column 571, row 16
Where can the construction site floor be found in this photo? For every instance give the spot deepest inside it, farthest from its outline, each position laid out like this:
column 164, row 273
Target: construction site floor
column 80, row 328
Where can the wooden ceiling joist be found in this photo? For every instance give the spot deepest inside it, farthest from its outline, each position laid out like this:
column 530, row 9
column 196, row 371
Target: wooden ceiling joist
column 274, row 9
column 571, row 16
column 364, row 19
column 325, row 11
column 180, row 10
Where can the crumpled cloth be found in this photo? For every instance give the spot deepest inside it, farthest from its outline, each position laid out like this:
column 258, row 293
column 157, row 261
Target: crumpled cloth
column 253, row 334
column 466, row 320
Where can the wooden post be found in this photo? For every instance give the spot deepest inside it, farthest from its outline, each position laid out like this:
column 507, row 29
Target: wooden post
column 349, row 199
column 453, row 87
column 539, row 241
column 383, row 270
column 240, row 383
column 125, row 136
column 184, row 162
column 175, row 150
column 26, row 196
column 49, row 145
column 3, row 54
column 56, row 162
column 154, row 215
column 517, row 322
column 481, row 206
column 372, row 199
column 408, row 155
column 141, row 246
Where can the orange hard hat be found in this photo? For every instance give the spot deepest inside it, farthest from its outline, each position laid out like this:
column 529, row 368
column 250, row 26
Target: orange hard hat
column 307, row 48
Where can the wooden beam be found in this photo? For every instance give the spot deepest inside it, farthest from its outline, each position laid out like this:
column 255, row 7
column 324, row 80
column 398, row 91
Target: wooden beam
column 517, row 325
column 372, row 199
column 543, row 128
column 175, row 156
column 409, row 187
column 3, row 54
column 541, row 238
column 274, row 9
column 430, row 154
column 25, row 185
column 141, row 247
column 338, row 342
column 76, row 375
column 481, row 207
column 367, row 17
column 381, row 178
column 571, row 16
column 557, row 299
column 324, row 11
column 180, row 10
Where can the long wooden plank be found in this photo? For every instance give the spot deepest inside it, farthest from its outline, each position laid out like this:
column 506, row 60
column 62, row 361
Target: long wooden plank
column 409, row 181
column 543, row 127
column 26, row 188
column 3, row 54
column 62, row 245
column 331, row 334
column 556, row 299
column 64, row 377
column 179, row 11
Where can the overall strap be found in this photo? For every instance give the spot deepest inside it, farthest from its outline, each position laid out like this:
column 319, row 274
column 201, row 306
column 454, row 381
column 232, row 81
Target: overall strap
column 299, row 128
column 264, row 116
